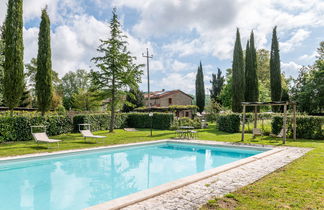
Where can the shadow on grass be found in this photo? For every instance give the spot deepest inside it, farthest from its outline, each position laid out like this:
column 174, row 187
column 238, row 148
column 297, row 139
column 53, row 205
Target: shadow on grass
column 38, row 147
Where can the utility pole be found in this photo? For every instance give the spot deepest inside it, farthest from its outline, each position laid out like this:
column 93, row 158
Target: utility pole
column 148, row 56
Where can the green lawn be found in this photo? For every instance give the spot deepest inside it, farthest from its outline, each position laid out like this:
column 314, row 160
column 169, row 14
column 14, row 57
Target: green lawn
column 299, row 185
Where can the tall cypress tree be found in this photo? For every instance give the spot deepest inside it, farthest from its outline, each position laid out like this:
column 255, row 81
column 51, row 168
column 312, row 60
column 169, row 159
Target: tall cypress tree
column 200, row 89
column 238, row 75
column 44, row 65
column 14, row 54
column 251, row 78
column 275, row 72
column 1, row 64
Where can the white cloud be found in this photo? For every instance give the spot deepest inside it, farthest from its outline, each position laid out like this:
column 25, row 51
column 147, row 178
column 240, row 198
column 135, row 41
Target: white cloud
column 214, row 22
column 290, row 68
column 181, row 66
column 172, row 81
column 308, row 57
column 296, row 39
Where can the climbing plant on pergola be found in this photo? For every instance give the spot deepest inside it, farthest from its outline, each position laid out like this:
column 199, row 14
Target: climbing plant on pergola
column 274, row 103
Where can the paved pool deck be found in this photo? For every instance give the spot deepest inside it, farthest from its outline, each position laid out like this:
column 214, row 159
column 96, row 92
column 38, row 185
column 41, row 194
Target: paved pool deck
column 194, row 191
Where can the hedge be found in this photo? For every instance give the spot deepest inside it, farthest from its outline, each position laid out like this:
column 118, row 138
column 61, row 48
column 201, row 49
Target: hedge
column 229, row 122
column 143, row 120
column 17, row 128
column 308, row 127
column 99, row 121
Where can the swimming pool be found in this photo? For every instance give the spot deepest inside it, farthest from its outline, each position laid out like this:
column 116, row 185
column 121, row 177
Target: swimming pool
column 83, row 179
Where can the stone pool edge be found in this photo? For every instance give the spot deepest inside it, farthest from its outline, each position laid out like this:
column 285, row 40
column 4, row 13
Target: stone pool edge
column 131, row 199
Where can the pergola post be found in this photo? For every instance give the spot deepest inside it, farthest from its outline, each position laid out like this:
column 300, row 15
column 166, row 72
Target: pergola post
column 243, row 124
column 294, row 120
column 255, row 116
column 284, row 124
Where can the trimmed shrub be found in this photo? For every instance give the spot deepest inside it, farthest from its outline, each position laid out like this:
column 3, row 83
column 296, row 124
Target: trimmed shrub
column 186, row 121
column 229, row 122
column 17, row 128
column 143, row 120
column 99, row 121
column 308, row 127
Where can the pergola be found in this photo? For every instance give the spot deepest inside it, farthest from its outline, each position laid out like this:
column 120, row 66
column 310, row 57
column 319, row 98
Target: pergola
column 273, row 103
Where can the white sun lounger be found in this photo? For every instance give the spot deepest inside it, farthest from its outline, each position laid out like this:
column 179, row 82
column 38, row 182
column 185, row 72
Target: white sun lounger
column 42, row 137
column 257, row 132
column 87, row 134
column 280, row 135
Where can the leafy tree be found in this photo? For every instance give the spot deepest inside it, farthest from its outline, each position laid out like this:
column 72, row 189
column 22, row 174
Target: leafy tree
column 44, row 65
column 116, row 68
column 134, row 99
column 72, row 82
column 263, row 68
column 238, row 75
column 225, row 96
column 308, row 90
column 200, row 89
column 275, row 72
column 30, row 75
column 217, row 85
column 14, row 54
column 86, row 100
column 1, row 64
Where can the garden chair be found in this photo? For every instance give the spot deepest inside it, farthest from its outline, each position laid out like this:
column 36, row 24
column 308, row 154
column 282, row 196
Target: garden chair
column 257, row 132
column 86, row 132
column 279, row 135
column 42, row 136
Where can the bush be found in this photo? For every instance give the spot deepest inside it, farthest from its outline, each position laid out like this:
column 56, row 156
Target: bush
column 308, row 127
column 229, row 122
column 186, row 121
column 17, row 128
column 143, row 120
column 99, row 121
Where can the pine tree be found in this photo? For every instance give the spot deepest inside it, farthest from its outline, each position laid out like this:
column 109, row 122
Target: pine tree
column 14, row 54
column 275, row 72
column 251, row 79
column 116, row 68
column 200, row 89
column 44, row 65
column 217, row 85
column 238, row 78
column 134, row 99
column 25, row 100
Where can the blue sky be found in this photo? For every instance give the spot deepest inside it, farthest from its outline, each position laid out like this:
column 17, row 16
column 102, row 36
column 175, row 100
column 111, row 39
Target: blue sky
column 179, row 33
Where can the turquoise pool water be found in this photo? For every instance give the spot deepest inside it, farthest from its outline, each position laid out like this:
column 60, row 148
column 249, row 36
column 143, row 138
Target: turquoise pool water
column 80, row 180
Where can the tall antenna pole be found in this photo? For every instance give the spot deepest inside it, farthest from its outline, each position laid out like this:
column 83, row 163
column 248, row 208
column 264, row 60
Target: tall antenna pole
column 148, row 56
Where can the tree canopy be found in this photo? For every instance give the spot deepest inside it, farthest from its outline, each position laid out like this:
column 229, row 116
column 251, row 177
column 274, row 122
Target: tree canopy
column 238, row 79
column 275, row 71
column 200, row 89
column 14, row 54
column 116, row 67
column 44, row 91
column 217, row 83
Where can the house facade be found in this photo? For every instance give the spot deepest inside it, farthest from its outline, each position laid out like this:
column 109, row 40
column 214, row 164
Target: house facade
column 169, row 98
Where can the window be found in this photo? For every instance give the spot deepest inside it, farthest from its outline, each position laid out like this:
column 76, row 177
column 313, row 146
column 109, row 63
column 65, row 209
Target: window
column 170, row 100
column 187, row 114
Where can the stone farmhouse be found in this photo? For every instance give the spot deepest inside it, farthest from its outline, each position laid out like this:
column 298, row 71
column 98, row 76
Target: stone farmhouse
column 168, row 98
